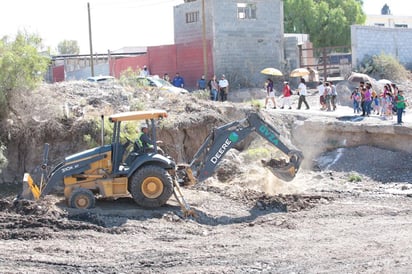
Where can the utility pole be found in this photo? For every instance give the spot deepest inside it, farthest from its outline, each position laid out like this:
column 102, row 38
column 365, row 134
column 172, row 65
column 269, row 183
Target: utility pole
column 90, row 40
column 204, row 39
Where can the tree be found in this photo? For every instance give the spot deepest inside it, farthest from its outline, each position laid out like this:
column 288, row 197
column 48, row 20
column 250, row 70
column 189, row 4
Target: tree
column 68, row 47
column 326, row 21
column 22, row 66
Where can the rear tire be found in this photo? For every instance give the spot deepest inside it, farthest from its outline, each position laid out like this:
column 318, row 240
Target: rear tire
column 82, row 198
column 151, row 186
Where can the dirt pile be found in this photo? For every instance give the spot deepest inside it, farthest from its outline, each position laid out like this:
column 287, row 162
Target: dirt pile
column 31, row 220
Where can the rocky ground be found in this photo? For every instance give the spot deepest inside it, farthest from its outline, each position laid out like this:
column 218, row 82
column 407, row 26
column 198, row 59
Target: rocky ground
column 350, row 211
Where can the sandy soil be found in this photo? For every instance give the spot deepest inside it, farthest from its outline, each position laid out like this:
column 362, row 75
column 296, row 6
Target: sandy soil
column 321, row 223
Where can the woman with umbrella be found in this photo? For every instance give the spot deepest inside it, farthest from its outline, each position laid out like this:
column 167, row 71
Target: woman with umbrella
column 270, row 93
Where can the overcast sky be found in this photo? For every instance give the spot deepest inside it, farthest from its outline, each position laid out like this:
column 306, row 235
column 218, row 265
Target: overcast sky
column 115, row 23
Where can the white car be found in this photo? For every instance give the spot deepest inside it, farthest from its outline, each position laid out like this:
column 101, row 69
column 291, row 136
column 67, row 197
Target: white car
column 157, row 82
column 100, row 79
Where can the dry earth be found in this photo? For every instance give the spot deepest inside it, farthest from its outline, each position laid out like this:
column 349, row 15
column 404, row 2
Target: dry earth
column 322, row 222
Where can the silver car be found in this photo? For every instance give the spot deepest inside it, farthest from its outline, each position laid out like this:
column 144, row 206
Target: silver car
column 159, row 83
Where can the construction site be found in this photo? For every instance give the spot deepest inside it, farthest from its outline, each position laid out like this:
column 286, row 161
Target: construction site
column 341, row 204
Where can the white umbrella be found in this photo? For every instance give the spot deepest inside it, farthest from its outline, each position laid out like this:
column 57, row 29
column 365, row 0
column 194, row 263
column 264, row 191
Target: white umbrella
column 384, row 81
column 359, row 77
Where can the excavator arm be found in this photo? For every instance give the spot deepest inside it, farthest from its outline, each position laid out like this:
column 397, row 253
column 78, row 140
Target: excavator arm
column 223, row 138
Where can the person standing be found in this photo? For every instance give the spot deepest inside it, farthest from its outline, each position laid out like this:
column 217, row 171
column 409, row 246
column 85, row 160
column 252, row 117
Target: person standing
column 223, row 88
column 334, row 94
column 321, row 90
column 400, row 106
column 368, row 99
column 395, row 91
column 144, row 72
column 302, row 94
column 166, row 77
column 270, row 93
column 328, row 96
column 355, row 96
column 287, row 93
column 201, row 83
column 178, row 81
column 213, row 87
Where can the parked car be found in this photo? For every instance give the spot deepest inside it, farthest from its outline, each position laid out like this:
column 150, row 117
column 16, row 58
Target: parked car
column 153, row 82
column 100, row 79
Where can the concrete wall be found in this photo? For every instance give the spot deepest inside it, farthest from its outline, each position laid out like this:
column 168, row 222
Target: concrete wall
column 83, row 73
column 377, row 40
column 240, row 48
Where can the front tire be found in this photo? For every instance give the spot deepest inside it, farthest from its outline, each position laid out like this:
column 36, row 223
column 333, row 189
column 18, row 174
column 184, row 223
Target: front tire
column 82, row 198
column 151, row 186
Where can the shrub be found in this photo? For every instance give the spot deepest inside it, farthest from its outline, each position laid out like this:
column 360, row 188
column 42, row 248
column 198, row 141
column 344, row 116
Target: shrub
column 354, row 177
column 21, row 65
column 256, row 104
column 383, row 67
column 202, row 94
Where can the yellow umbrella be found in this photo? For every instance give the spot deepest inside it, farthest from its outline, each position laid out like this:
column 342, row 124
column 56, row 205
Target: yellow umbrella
column 299, row 72
column 271, row 71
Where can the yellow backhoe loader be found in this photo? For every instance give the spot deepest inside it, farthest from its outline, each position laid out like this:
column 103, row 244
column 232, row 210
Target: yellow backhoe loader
column 150, row 177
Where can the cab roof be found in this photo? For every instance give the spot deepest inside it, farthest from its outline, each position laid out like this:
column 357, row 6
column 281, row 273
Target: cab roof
column 138, row 115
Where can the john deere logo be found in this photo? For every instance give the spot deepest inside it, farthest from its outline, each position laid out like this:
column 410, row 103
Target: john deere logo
column 233, row 137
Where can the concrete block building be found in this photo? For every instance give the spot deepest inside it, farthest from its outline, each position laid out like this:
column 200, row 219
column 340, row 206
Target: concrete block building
column 244, row 36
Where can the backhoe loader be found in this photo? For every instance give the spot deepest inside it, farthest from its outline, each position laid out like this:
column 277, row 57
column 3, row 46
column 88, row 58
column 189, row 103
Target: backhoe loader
column 150, row 177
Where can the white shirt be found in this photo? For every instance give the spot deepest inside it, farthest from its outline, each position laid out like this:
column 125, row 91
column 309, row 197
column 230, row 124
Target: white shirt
column 321, row 89
column 223, row 83
column 144, row 72
column 302, row 89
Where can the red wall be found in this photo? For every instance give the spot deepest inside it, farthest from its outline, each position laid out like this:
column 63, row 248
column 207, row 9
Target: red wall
column 122, row 64
column 58, row 73
column 187, row 59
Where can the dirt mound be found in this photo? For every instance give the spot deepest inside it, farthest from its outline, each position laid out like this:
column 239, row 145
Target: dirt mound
column 27, row 220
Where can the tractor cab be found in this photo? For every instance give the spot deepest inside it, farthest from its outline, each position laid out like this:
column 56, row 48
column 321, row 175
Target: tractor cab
column 119, row 150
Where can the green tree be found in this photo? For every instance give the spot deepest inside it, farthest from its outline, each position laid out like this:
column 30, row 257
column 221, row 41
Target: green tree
column 68, row 47
column 22, row 66
column 326, row 21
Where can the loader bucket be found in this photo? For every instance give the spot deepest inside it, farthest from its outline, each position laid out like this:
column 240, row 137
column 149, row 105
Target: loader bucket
column 283, row 169
column 30, row 190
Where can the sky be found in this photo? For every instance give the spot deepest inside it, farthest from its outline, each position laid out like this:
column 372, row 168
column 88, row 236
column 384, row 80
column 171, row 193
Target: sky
column 115, row 23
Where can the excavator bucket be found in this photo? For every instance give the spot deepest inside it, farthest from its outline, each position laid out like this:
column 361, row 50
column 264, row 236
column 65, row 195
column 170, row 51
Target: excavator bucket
column 283, row 169
column 30, row 190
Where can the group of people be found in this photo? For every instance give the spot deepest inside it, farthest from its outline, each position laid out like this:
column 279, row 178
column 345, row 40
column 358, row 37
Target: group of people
column 327, row 96
column 218, row 90
column 177, row 81
column 391, row 101
column 286, row 94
